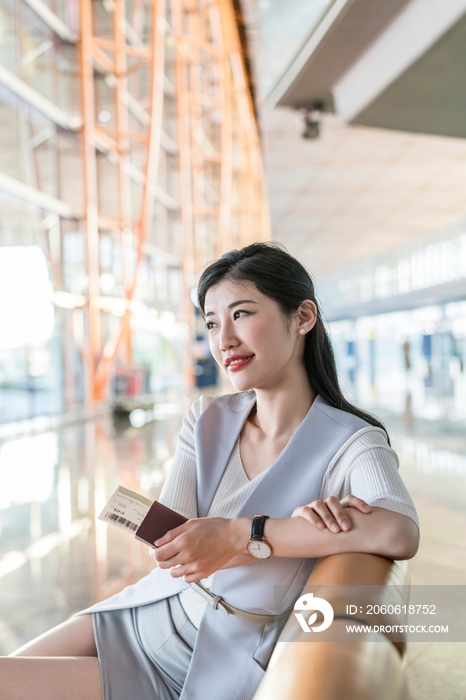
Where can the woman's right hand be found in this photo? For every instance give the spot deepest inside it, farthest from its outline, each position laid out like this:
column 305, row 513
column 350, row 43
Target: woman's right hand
column 330, row 514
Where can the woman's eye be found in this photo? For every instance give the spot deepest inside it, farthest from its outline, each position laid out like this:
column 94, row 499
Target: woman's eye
column 211, row 324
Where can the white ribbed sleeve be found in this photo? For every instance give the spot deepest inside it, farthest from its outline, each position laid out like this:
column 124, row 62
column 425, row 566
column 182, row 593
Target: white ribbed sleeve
column 179, row 489
column 367, row 467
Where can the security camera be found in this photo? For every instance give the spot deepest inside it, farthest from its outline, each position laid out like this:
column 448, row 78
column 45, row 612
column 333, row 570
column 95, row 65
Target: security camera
column 312, row 112
column 311, row 127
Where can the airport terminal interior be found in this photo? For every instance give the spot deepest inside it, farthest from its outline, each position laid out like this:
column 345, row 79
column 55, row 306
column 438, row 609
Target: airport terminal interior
column 140, row 140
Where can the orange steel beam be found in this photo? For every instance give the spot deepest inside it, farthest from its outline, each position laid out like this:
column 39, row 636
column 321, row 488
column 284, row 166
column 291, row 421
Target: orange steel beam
column 238, row 190
column 222, row 202
column 138, row 16
column 101, row 56
column 122, row 126
column 109, row 223
column 90, row 222
column 247, row 114
column 184, row 150
column 129, row 135
column 226, row 173
column 184, row 118
column 152, row 166
column 118, row 46
column 156, row 111
column 195, row 88
column 106, row 140
column 120, row 146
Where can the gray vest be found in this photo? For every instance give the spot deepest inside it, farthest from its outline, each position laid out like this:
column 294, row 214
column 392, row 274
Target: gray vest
column 230, row 655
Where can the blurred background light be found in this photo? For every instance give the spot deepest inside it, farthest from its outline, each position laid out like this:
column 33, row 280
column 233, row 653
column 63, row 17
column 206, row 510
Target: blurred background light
column 26, row 310
column 138, row 418
column 27, row 469
column 104, row 116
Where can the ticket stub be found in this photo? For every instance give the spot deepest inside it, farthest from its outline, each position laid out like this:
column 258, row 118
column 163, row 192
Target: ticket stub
column 126, row 509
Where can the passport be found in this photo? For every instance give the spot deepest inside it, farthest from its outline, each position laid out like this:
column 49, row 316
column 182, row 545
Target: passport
column 158, row 521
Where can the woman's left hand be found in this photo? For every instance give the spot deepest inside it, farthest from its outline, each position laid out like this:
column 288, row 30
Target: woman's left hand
column 330, row 513
column 197, row 548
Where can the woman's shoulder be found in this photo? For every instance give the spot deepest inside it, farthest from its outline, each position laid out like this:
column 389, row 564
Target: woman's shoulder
column 366, row 440
column 369, row 436
column 366, row 449
column 338, row 415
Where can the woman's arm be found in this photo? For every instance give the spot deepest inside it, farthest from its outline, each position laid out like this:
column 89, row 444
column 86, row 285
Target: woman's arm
column 382, row 532
column 202, row 546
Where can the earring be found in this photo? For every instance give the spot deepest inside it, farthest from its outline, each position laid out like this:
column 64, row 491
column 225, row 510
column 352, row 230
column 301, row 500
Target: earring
column 302, row 331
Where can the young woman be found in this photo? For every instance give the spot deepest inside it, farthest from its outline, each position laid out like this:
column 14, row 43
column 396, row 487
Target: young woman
column 271, row 477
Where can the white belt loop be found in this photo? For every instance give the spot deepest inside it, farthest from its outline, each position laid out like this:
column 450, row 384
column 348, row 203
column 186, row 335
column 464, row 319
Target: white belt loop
column 215, row 604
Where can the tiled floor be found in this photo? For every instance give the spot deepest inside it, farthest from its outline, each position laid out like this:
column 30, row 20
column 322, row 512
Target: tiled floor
column 437, row 670
column 431, row 466
column 55, row 558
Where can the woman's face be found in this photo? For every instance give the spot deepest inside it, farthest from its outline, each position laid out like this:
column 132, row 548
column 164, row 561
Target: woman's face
column 248, row 336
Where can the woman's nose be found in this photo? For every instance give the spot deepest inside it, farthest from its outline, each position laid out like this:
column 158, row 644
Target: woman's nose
column 227, row 338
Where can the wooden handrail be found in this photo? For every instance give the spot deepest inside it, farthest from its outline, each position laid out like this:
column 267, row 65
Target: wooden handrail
column 371, row 668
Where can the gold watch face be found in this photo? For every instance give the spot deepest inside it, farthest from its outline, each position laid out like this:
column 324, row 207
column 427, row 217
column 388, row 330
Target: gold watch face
column 259, row 549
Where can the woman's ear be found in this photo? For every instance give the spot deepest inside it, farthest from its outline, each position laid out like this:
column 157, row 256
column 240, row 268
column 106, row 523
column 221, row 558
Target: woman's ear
column 307, row 315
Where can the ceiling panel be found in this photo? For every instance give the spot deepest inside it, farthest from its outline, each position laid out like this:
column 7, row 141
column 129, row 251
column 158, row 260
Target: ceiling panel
column 357, row 191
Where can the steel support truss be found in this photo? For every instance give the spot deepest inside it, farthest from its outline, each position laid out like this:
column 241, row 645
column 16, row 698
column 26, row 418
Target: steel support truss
column 174, row 80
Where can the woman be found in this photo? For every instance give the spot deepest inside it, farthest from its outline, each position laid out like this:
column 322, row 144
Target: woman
column 318, row 473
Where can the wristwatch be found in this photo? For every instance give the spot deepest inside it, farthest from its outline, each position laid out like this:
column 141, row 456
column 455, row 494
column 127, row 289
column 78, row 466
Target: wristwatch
column 257, row 546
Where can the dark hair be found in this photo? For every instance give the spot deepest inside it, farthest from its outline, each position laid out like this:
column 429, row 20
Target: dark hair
column 278, row 275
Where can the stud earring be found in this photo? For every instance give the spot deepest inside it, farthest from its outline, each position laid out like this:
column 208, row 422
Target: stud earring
column 302, row 331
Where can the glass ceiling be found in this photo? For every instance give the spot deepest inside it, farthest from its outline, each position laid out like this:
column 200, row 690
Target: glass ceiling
column 284, row 26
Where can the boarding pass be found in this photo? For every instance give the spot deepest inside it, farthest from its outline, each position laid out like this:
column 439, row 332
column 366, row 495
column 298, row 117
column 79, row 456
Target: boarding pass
column 126, row 509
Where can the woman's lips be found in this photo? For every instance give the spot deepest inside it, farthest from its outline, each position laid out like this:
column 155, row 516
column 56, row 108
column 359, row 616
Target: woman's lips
column 236, row 365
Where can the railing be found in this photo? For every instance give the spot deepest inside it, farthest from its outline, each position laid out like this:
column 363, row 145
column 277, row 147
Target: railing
column 368, row 669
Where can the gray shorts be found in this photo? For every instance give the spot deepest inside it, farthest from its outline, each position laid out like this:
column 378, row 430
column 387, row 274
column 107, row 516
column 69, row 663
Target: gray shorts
column 144, row 652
